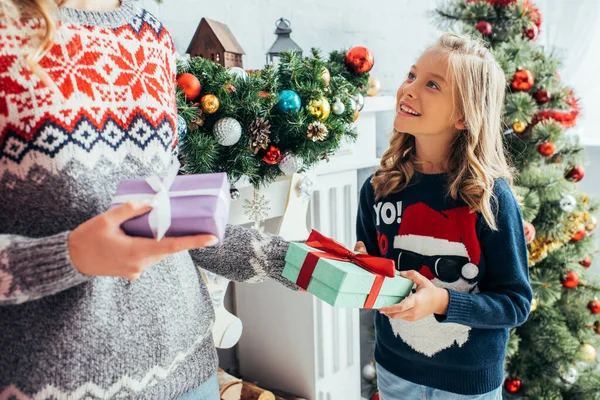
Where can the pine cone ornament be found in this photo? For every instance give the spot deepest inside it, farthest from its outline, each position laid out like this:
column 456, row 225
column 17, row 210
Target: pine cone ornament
column 259, row 132
column 317, row 131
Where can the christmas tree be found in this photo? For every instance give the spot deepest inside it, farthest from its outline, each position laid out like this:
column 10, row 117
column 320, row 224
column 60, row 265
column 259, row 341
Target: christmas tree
column 277, row 121
column 552, row 356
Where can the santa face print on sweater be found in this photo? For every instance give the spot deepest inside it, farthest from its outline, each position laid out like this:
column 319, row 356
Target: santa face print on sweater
column 443, row 247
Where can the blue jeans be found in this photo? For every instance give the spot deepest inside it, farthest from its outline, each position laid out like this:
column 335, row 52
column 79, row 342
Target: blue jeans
column 392, row 387
column 209, row 390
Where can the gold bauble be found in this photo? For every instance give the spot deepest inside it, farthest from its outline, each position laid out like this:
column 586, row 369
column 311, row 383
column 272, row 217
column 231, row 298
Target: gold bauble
column 591, row 223
column 326, row 76
column 356, row 113
column 374, row 86
column 534, row 305
column 209, row 103
column 320, row 108
column 519, row 126
column 587, row 352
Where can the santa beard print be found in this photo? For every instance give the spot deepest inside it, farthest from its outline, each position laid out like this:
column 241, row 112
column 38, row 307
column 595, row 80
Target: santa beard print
column 428, row 237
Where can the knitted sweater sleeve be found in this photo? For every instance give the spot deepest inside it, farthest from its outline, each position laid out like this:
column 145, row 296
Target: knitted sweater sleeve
column 31, row 268
column 246, row 255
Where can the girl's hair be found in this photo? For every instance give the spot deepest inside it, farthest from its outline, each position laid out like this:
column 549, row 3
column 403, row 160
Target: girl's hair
column 476, row 156
column 16, row 12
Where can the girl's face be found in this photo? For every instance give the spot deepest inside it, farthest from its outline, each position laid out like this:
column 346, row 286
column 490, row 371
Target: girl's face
column 424, row 104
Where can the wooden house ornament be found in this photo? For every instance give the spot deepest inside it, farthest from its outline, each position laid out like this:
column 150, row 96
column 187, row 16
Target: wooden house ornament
column 215, row 42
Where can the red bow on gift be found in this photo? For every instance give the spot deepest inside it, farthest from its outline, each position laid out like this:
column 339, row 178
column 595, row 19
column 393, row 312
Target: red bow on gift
column 332, row 250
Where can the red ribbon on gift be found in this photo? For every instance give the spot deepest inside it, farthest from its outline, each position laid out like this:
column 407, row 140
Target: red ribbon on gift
column 332, row 250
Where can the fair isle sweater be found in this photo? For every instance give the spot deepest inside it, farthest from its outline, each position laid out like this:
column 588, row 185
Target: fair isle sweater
column 64, row 335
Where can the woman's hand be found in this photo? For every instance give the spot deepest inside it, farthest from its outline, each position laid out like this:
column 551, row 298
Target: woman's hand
column 100, row 247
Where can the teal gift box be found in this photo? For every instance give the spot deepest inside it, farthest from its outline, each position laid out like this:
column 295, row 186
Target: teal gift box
column 342, row 283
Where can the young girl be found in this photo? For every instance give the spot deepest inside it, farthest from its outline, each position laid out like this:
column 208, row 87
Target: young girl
column 87, row 98
column 440, row 205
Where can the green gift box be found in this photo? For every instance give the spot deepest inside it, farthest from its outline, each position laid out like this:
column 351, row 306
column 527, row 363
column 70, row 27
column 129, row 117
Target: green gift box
column 342, row 283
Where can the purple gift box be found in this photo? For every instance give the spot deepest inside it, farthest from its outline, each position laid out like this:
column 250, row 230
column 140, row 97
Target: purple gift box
column 191, row 213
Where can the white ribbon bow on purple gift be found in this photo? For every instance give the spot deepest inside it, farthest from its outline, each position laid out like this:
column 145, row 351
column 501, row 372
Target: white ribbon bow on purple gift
column 159, row 218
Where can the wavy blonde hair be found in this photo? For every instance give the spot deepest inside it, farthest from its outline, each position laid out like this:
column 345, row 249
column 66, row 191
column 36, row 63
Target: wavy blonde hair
column 476, row 157
column 15, row 12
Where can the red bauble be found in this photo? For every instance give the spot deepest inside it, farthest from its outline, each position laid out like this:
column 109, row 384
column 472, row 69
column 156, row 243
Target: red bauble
column 529, row 232
column 484, row 27
column 594, row 306
column 272, row 155
column 546, row 149
column 571, row 280
column 263, row 93
column 375, row 396
column 542, row 96
column 586, row 262
column 522, row 80
column 512, row 386
column 576, row 174
column 501, row 3
column 579, row 235
column 531, row 32
column 190, row 85
column 359, row 60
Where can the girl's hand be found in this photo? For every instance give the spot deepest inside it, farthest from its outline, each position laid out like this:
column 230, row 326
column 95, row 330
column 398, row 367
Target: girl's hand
column 100, row 247
column 360, row 247
column 428, row 300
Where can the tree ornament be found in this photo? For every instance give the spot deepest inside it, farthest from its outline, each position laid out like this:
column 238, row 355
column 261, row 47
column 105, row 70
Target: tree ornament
column 529, row 232
column 522, row 80
column 209, row 103
column 501, row 3
column 230, row 88
column 546, row 149
column 235, row 193
column 576, row 174
column 360, row 101
column 579, row 235
column 263, row 94
column 259, row 133
column 586, row 262
column 272, row 155
column 484, row 27
column 181, row 127
column 326, row 76
column 512, row 385
column 534, row 304
column 591, row 224
column 288, row 101
column 568, row 203
column 356, row 114
column 594, row 306
column 542, row 96
column 597, row 327
column 531, row 32
column 375, row 396
column 317, row 131
column 571, row 280
column 571, row 376
column 289, row 164
column 369, row 372
column 319, row 108
column 359, row 60
column 519, row 126
column 374, row 86
column 237, row 72
column 190, row 85
column 338, row 107
column 587, row 352
column 257, row 209
column 227, row 131
column 306, row 187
